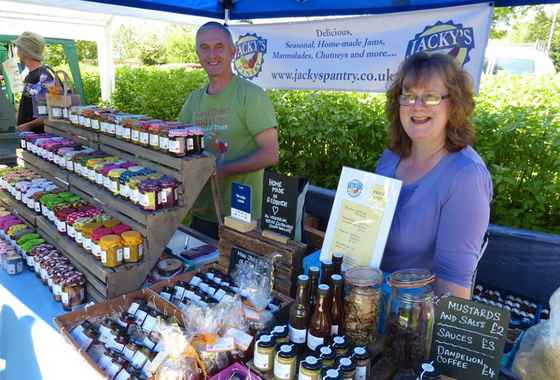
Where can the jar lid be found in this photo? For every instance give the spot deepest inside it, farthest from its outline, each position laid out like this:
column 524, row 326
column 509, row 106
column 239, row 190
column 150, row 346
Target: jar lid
column 325, row 352
column 332, row 374
column 411, row 278
column 336, row 277
column 266, row 341
column 340, row 342
column 311, row 363
column 132, row 237
column 346, row 364
column 110, row 241
column 427, row 371
column 324, row 288
column 280, row 331
column 303, row 278
column 287, row 351
column 364, row 276
column 360, row 353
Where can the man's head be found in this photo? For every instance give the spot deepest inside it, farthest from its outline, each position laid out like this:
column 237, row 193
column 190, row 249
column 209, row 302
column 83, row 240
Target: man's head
column 215, row 49
column 30, row 47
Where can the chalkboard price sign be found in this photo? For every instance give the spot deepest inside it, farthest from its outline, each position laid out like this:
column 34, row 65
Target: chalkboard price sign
column 468, row 338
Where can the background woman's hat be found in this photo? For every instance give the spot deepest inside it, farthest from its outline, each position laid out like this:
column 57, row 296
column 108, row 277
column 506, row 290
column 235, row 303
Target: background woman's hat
column 32, row 44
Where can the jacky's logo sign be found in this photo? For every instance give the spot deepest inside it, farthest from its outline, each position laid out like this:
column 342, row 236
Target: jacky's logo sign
column 249, row 56
column 448, row 38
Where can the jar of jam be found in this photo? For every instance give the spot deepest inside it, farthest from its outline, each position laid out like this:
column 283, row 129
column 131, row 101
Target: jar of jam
column 198, row 141
column 155, row 128
column 149, row 191
column 73, row 291
column 168, row 195
column 135, row 129
column 95, row 239
column 126, row 131
column 164, row 139
column 114, row 180
column 133, row 246
column 126, row 320
column 145, row 133
column 111, row 251
column 189, row 142
column 86, row 232
column 177, row 145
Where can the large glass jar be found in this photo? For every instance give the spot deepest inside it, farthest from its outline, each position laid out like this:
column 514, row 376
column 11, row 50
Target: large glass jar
column 362, row 304
column 410, row 318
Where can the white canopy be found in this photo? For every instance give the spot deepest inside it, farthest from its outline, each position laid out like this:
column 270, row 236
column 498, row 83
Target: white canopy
column 79, row 20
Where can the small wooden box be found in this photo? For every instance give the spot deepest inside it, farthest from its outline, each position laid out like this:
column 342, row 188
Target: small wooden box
column 287, row 259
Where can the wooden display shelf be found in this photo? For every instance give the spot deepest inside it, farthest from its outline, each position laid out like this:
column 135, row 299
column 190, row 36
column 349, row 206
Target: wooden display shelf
column 64, row 128
column 157, row 228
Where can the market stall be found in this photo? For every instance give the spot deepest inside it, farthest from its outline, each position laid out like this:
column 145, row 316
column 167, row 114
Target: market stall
column 99, row 195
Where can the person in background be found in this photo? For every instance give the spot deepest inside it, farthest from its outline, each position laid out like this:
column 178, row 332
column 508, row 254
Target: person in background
column 239, row 124
column 30, row 48
column 444, row 206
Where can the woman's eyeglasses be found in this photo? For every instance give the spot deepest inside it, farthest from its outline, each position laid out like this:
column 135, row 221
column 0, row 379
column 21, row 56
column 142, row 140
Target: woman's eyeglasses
column 426, row 99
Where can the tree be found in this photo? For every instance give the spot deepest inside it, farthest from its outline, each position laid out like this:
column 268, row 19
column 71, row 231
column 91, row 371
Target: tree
column 152, row 51
column 54, row 55
column 87, row 50
column 180, row 45
column 126, row 43
column 504, row 18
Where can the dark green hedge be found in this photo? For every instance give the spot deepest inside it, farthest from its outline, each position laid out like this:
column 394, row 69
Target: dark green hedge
column 517, row 123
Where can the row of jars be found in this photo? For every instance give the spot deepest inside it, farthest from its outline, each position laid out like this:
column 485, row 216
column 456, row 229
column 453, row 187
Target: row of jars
column 125, row 346
column 10, row 260
column 66, row 284
column 142, row 186
column 171, row 137
column 335, row 360
column 106, row 238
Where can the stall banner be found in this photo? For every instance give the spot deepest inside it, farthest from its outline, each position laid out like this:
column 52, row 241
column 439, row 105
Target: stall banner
column 358, row 53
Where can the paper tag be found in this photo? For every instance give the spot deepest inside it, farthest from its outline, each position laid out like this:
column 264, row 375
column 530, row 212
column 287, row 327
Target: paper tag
column 106, row 182
column 123, row 375
column 112, row 369
column 224, row 344
column 99, row 178
column 219, row 294
column 57, row 290
column 70, row 165
column 135, row 135
column 361, row 373
column 140, row 317
column 164, row 143
column 126, row 133
column 261, row 361
column 18, row 195
column 42, row 110
column 61, row 226
column 103, row 255
column 297, row 335
column 126, row 251
column 95, row 124
column 190, row 144
column 144, row 138
column 242, row 339
column 119, row 255
column 314, row 341
column 29, row 260
column 79, row 237
column 70, row 231
column 95, row 249
column 64, row 297
column 148, row 343
column 133, row 308
column 138, row 359
column 179, row 292
column 165, row 295
column 128, row 353
column 149, row 323
column 154, row 140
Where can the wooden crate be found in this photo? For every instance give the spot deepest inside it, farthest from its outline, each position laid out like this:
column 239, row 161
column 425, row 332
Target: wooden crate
column 287, row 259
column 157, row 228
column 285, row 301
column 67, row 322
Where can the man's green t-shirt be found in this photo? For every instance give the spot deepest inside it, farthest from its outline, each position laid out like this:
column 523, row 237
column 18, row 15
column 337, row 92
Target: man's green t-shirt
column 231, row 120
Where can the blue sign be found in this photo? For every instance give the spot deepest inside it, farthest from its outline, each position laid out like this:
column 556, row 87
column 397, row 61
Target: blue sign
column 241, row 202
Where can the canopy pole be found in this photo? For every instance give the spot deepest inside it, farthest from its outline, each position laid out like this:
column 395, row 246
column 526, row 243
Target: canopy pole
column 227, row 4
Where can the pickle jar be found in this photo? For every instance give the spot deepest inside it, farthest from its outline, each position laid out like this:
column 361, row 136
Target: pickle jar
column 310, row 369
column 362, row 304
column 263, row 357
column 133, row 246
column 111, row 251
column 280, row 332
column 285, row 362
column 327, row 355
column 410, row 318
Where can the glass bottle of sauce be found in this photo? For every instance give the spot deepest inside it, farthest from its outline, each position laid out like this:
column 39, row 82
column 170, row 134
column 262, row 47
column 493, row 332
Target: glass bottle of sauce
column 337, row 262
column 337, row 309
column 299, row 312
column 327, row 269
column 314, row 273
column 320, row 324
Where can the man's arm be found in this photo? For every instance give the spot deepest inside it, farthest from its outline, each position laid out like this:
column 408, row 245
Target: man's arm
column 30, row 125
column 443, row 287
column 266, row 155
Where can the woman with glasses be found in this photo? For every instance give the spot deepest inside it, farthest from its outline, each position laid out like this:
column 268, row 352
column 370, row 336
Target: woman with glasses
column 444, row 206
